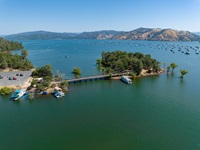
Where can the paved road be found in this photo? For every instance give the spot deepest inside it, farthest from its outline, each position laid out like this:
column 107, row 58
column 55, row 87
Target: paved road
column 20, row 79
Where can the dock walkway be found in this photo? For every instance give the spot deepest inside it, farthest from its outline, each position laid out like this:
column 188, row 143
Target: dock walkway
column 86, row 79
column 90, row 78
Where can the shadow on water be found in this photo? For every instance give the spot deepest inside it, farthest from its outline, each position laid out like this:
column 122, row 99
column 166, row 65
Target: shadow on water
column 171, row 74
column 18, row 102
column 182, row 81
column 99, row 68
column 137, row 82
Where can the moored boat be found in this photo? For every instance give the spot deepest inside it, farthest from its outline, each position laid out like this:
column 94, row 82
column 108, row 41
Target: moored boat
column 126, row 80
column 187, row 53
column 18, row 94
column 59, row 94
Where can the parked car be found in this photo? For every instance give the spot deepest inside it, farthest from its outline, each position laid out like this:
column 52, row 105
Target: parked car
column 10, row 78
column 17, row 74
column 21, row 74
column 1, row 77
column 14, row 78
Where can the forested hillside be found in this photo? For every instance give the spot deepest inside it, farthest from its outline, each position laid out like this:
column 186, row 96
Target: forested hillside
column 8, row 60
column 6, row 45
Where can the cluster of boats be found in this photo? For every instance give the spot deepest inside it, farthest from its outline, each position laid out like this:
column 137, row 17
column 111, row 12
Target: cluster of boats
column 172, row 47
column 17, row 94
column 20, row 93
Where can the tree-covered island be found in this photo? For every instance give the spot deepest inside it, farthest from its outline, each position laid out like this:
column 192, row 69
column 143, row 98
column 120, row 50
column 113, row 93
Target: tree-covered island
column 134, row 63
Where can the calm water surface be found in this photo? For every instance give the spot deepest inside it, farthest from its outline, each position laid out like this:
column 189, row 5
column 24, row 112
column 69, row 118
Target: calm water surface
column 154, row 113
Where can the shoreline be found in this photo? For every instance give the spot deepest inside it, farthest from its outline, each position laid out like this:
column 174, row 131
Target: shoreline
column 28, row 81
column 143, row 74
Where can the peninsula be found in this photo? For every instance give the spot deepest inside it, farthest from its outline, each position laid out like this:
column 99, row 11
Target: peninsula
column 6, row 45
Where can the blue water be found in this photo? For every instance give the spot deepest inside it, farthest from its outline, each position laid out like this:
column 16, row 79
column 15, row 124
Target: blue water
column 154, row 113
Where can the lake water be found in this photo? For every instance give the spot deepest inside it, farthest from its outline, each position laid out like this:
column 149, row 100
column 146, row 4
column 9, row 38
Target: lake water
column 154, row 113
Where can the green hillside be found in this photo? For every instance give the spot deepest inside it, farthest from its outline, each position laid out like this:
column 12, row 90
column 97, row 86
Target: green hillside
column 6, row 45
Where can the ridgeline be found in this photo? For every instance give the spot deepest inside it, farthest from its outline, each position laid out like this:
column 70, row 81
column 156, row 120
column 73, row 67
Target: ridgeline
column 151, row 34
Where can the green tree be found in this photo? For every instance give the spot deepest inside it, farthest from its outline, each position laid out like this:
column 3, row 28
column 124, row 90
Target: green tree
column 3, row 64
column 46, row 73
column 40, row 87
column 34, row 82
column 5, row 91
column 8, row 60
column 59, row 76
column 6, row 45
column 168, row 69
column 173, row 66
column 24, row 54
column 43, row 71
column 63, row 84
column 133, row 75
column 138, row 66
column 77, row 72
column 98, row 61
column 183, row 72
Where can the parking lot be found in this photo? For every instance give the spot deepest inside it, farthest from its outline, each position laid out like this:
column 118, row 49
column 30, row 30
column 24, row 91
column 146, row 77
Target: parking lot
column 20, row 80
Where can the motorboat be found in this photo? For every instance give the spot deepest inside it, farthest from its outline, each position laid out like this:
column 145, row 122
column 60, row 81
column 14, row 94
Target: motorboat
column 18, row 94
column 126, row 79
column 59, row 94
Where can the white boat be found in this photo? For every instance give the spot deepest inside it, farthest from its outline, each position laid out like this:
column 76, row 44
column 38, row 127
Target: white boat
column 126, row 80
column 18, row 94
column 59, row 94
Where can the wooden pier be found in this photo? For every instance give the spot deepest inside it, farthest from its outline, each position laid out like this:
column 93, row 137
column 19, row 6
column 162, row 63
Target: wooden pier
column 87, row 79
column 90, row 78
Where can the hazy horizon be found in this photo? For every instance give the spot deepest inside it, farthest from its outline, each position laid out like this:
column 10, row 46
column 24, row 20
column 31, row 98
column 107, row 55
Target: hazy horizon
column 76, row 32
column 76, row 16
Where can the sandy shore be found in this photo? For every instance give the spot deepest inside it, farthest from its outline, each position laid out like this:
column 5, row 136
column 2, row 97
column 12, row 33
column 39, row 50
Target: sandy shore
column 143, row 74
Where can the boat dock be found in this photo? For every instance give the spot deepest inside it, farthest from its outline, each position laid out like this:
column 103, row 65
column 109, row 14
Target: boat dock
column 87, row 79
column 90, row 78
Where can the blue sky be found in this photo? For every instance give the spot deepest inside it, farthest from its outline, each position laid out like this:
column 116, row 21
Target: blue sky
column 92, row 15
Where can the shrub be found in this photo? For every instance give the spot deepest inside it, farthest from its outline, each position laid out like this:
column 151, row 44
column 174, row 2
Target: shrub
column 133, row 75
column 5, row 91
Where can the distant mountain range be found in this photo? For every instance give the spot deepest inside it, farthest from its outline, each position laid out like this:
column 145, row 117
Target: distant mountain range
column 99, row 35
column 40, row 35
column 154, row 34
